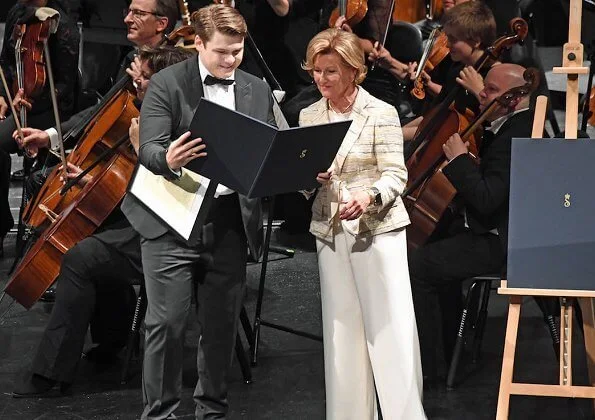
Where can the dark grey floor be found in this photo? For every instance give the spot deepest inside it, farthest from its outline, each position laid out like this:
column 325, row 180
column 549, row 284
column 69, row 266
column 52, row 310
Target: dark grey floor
column 288, row 381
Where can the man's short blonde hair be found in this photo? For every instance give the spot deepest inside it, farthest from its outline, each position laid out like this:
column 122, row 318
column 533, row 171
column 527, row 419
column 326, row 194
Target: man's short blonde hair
column 345, row 44
column 218, row 18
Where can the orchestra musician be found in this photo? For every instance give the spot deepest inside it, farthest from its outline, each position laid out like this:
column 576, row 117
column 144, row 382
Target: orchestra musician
column 63, row 47
column 477, row 240
column 171, row 265
column 147, row 21
column 359, row 219
column 470, row 28
column 95, row 281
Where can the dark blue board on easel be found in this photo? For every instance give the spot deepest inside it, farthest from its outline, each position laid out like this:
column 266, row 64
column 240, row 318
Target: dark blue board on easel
column 551, row 238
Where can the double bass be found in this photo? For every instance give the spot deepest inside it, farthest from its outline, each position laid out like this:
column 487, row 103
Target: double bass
column 64, row 215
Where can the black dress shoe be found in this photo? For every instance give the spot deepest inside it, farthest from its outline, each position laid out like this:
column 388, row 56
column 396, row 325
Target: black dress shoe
column 37, row 386
column 18, row 175
column 49, row 296
column 102, row 355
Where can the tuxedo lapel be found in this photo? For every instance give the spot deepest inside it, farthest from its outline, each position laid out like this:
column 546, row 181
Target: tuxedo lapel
column 195, row 80
column 243, row 94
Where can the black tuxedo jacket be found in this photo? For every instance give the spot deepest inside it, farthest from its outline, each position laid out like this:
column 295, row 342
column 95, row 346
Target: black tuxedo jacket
column 485, row 188
column 167, row 111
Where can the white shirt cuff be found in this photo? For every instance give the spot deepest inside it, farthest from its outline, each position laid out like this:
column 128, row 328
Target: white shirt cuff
column 54, row 142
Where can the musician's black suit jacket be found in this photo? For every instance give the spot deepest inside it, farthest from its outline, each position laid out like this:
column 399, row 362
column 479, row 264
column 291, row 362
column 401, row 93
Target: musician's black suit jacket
column 485, row 188
column 167, row 111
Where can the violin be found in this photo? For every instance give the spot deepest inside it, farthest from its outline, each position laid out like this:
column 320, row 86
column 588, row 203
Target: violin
column 429, row 193
column 436, row 50
column 353, row 10
column 181, row 37
column 30, row 39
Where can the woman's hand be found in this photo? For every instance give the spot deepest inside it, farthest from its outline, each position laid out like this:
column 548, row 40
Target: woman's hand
column 324, row 177
column 341, row 23
column 380, row 56
column 181, row 151
column 356, row 206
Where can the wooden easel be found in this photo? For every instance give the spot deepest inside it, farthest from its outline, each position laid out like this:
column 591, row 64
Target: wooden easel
column 572, row 66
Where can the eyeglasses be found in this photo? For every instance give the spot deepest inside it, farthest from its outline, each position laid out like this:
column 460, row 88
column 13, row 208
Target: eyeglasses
column 137, row 13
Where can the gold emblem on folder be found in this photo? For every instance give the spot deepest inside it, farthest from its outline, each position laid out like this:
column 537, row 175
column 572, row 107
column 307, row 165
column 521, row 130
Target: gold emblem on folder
column 303, row 154
column 566, row 200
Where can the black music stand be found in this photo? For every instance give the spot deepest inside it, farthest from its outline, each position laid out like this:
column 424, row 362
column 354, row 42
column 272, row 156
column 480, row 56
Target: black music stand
column 258, row 160
column 258, row 321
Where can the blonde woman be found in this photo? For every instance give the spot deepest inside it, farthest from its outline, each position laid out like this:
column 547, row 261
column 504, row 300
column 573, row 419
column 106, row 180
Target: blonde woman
column 358, row 218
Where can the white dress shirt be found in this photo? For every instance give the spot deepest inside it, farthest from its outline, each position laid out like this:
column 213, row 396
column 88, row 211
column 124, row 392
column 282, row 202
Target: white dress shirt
column 222, row 95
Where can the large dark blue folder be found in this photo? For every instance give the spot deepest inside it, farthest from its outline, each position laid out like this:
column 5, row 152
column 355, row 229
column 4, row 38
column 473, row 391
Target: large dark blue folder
column 551, row 243
column 256, row 159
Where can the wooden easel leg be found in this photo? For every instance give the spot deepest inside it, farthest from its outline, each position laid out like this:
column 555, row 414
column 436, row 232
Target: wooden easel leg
column 566, row 315
column 589, row 331
column 512, row 329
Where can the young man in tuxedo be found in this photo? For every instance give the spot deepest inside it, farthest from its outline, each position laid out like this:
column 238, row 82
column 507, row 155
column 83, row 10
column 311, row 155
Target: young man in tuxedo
column 216, row 261
column 478, row 240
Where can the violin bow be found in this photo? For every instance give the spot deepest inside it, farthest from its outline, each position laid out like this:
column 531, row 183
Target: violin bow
column 12, row 108
column 390, row 18
column 48, row 62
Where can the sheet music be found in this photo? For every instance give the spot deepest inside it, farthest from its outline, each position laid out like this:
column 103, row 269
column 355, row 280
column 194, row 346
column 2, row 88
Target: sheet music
column 176, row 202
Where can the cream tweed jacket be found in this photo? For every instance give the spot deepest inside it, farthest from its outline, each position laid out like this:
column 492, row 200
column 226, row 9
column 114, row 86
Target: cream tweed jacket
column 371, row 155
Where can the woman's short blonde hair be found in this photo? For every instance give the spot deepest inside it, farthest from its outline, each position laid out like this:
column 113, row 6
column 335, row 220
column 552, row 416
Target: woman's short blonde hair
column 345, row 44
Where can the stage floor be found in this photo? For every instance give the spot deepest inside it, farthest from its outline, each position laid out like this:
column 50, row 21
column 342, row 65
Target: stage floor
column 288, row 382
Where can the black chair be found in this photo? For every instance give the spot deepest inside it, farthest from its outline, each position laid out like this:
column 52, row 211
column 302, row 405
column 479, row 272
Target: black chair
column 133, row 343
column 475, row 314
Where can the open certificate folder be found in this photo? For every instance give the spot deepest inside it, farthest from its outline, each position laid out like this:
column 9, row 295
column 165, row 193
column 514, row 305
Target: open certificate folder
column 179, row 202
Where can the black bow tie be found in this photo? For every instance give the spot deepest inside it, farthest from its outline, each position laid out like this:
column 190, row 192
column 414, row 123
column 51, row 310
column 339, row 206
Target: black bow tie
column 210, row 81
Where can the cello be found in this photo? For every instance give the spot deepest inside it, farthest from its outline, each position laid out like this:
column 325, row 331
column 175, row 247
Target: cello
column 102, row 130
column 77, row 212
column 429, row 193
